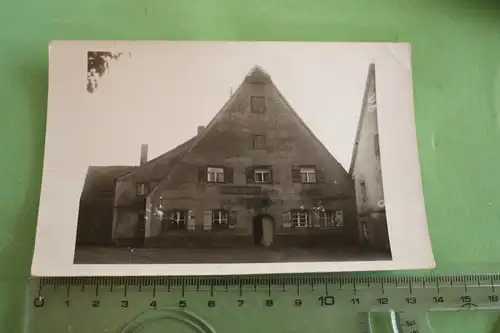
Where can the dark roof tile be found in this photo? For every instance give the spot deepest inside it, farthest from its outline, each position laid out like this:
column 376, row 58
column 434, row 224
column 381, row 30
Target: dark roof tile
column 100, row 182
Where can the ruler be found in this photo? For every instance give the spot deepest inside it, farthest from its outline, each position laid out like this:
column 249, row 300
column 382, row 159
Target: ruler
column 300, row 303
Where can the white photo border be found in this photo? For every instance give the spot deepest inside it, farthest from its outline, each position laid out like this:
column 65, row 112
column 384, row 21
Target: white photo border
column 406, row 216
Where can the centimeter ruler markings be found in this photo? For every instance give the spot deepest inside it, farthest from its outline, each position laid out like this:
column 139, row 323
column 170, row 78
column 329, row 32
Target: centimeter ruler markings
column 273, row 284
column 407, row 299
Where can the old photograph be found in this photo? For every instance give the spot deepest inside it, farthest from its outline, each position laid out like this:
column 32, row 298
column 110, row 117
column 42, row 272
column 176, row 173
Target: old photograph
column 210, row 154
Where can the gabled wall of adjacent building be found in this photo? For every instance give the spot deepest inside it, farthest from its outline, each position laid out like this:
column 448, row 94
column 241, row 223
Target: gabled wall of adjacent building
column 367, row 166
column 366, row 169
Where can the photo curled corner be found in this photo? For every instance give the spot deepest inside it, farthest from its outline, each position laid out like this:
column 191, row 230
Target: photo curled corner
column 400, row 51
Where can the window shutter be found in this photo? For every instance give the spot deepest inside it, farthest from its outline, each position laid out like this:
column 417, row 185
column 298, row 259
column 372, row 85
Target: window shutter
column 296, row 175
column 271, row 179
column 142, row 189
column 207, row 220
column 320, row 176
column 376, row 144
column 286, row 220
column 315, row 217
column 364, row 195
column 339, row 218
column 191, row 223
column 250, row 175
column 233, row 219
column 228, row 175
column 202, row 174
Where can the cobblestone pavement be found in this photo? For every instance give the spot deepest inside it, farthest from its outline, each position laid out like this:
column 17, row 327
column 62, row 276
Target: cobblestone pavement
column 113, row 255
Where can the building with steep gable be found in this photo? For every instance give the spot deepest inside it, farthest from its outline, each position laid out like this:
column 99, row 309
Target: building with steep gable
column 366, row 170
column 256, row 175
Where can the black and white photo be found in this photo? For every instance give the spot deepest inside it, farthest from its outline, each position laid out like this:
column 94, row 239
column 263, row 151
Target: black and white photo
column 230, row 158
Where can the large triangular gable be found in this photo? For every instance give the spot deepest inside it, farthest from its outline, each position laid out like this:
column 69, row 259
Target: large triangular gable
column 256, row 75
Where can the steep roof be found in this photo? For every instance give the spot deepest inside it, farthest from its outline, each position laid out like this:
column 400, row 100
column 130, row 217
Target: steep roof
column 153, row 171
column 100, row 182
column 371, row 74
column 256, row 75
column 309, row 131
column 158, row 168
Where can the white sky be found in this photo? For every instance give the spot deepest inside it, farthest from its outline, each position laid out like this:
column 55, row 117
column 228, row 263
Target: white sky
column 159, row 94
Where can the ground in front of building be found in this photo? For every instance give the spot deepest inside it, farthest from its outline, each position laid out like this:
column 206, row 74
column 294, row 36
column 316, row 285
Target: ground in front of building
column 127, row 255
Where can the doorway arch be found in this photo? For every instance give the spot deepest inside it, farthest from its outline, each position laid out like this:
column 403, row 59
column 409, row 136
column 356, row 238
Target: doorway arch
column 263, row 227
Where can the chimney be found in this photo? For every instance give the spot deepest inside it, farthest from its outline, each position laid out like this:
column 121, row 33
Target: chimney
column 200, row 130
column 144, row 153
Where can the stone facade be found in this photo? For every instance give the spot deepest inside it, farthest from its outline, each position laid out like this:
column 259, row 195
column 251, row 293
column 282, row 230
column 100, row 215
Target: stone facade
column 366, row 171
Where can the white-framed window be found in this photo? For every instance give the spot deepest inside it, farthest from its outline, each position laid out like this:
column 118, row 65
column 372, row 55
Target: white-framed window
column 332, row 218
column 300, row 218
column 142, row 189
column 220, row 219
column 215, row 175
column 262, row 175
column 308, row 175
column 175, row 220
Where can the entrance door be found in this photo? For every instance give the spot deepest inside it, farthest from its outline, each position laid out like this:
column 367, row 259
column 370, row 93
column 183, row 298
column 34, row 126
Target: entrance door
column 267, row 231
column 263, row 230
column 257, row 230
column 139, row 233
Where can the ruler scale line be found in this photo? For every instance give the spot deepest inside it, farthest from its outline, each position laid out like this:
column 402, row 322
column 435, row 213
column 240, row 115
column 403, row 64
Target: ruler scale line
column 409, row 297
